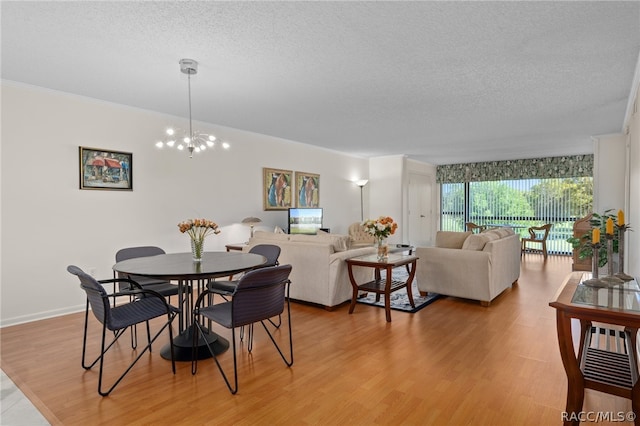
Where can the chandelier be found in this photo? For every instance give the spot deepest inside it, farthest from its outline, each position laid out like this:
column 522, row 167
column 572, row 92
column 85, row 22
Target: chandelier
column 193, row 141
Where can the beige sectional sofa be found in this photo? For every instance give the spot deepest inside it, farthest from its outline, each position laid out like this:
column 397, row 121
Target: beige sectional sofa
column 470, row 266
column 319, row 273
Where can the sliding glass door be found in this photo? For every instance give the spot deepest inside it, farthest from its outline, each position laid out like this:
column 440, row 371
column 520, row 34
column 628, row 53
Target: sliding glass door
column 519, row 204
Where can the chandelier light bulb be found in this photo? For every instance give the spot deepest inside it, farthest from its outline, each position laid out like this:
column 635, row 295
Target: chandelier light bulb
column 187, row 137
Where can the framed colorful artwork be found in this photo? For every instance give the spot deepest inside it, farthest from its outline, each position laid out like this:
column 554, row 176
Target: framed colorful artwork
column 277, row 188
column 103, row 169
column 307, row 189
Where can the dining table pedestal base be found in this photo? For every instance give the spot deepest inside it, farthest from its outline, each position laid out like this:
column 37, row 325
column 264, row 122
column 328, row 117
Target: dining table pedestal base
column 182, row 346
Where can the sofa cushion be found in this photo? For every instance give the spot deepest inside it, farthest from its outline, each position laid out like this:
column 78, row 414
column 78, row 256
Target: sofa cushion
column 501, row 232
column 270, row 236
column 336, row 241
column 478, row 241
column 451, row 239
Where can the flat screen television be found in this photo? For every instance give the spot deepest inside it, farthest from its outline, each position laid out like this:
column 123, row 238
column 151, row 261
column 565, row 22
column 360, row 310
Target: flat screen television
column 305, row 220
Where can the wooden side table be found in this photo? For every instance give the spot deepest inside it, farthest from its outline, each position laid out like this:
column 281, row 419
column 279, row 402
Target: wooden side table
column 378, row 286
column 603, row 370
column 235, row 247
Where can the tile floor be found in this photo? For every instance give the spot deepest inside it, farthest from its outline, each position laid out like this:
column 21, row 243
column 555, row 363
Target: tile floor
column 15, row 408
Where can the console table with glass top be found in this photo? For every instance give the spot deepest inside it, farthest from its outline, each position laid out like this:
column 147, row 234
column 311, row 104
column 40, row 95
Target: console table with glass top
column 379, row 286
column 610, row 367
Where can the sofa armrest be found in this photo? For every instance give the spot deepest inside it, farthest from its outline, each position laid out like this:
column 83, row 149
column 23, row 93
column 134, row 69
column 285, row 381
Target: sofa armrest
column 454, row 272
column 340, row 285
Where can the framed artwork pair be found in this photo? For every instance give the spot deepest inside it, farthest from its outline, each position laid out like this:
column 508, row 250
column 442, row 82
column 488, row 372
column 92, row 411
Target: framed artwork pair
column 283, row 189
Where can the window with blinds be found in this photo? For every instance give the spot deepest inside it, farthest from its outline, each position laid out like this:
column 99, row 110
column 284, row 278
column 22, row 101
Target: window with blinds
column 519, row 204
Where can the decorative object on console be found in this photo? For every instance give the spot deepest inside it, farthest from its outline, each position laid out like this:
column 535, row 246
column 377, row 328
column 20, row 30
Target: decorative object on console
column 308, row 189
column 610, row 278
column 583, row 244
column 622, row 228
column 198, row 229
column 251, row 221
column 276, row 188
column 102, row 169
column 194, row 141
column 595, row 280
column 361, row 183
column 381, row 228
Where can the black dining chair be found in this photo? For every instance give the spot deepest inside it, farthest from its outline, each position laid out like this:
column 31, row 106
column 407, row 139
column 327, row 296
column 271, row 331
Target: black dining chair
column 118, row 318
column 163, row 287
column 226, row 288
column 259, row 295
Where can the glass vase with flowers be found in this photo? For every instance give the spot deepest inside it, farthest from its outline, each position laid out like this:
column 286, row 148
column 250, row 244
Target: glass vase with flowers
column 381, row 228
column 198, row 229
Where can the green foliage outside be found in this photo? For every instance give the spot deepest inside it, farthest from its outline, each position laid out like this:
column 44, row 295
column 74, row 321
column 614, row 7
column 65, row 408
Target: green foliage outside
column 556, row 201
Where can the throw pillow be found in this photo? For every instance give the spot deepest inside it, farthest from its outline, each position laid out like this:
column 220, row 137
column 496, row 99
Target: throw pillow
column 475, row 242
column 451, row 239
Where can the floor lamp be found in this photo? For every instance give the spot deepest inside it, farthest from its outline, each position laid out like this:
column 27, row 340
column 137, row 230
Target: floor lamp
column 361, row 184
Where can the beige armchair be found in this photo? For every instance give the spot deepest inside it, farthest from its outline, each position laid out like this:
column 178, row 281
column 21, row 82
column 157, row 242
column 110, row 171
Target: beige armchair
column 359, row 236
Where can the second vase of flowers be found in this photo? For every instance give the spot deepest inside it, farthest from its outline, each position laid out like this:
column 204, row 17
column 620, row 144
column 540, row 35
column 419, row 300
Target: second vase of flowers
column 381, row 228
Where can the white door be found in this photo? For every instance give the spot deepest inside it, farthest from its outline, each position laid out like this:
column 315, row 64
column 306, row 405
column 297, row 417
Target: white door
column 420, row 210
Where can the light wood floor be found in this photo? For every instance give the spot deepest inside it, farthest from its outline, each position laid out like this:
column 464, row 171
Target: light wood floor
column 453, row 363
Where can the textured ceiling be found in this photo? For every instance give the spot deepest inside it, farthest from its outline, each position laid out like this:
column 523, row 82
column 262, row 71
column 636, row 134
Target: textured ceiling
column 443, row 82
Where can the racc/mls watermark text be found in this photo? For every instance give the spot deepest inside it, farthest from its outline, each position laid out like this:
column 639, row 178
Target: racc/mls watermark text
column 599, row 416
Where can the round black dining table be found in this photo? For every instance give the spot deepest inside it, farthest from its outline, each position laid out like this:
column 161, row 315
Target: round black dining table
column 190, row 275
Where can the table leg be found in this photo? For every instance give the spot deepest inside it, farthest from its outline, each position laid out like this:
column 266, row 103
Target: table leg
column 183, row 341
column 575, row 379
column 412, row 272
column 387, row 294
column 355, row 289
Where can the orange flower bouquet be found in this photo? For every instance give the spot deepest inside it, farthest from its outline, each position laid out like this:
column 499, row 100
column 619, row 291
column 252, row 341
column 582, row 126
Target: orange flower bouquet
column 382, row 227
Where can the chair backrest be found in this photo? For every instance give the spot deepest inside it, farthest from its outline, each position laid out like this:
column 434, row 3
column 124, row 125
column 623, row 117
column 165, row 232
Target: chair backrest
column 260, row 295
column 540, row 232
column 96, row 294
column 358, row 234
column 270, row 251
column 473, row 227
column 133, row 252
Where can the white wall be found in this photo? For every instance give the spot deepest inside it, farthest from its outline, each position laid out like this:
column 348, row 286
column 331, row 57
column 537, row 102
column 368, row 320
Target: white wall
column 386, row 180
column 633, row 214
column 610, row 159
column 47, row 223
